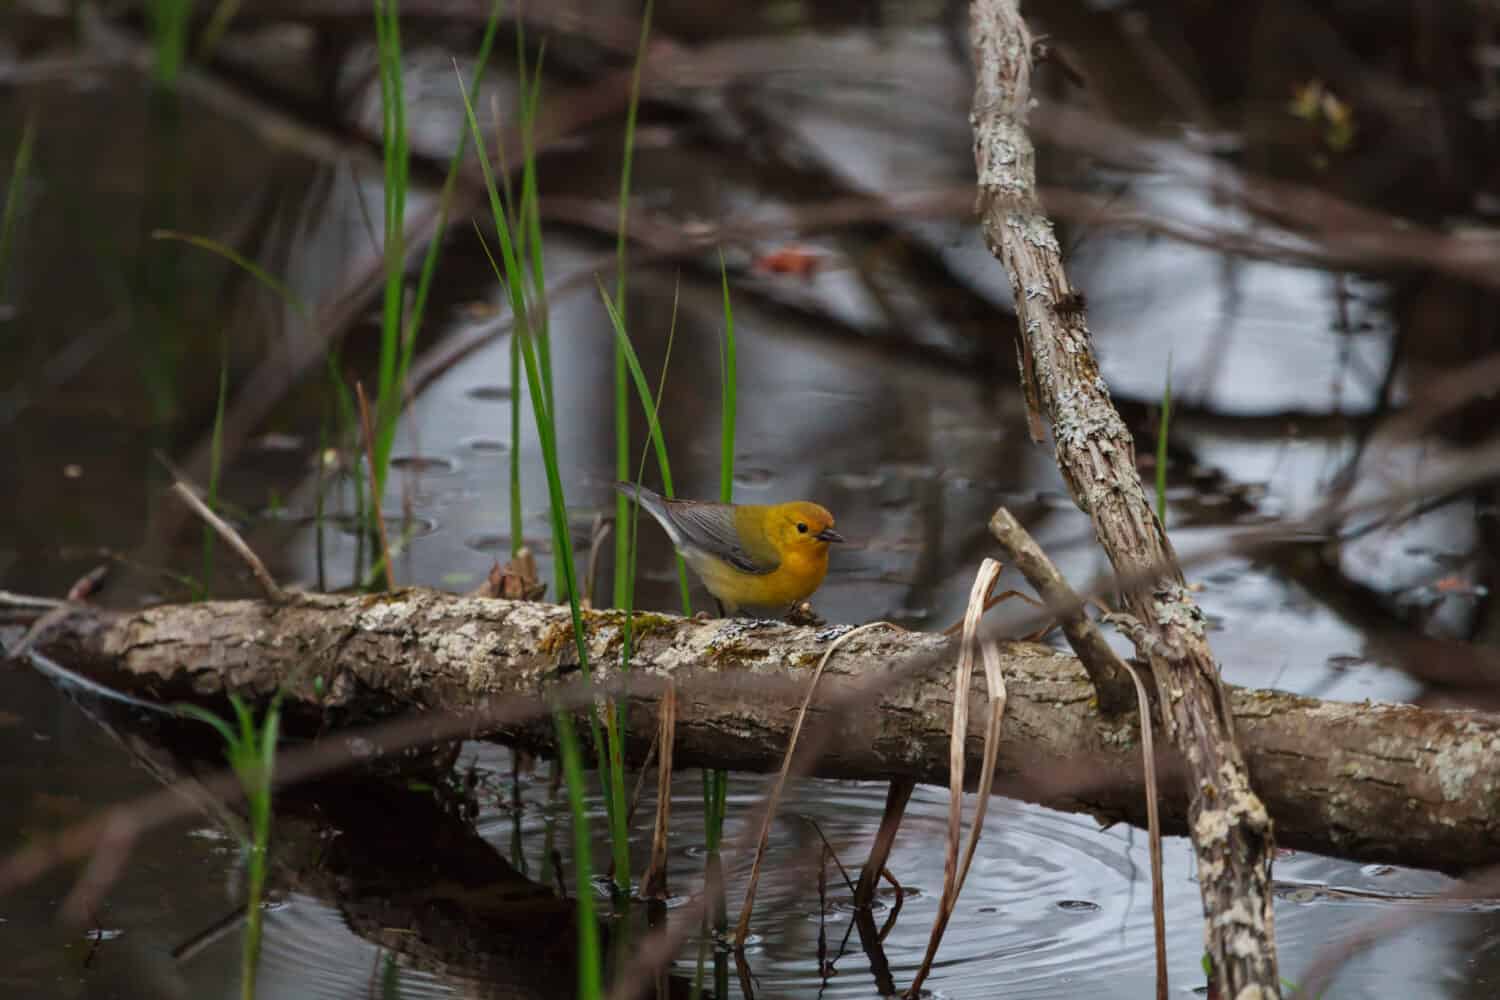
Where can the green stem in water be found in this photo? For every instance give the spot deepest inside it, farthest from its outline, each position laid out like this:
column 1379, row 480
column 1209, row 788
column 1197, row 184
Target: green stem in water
column 1161, row 447
column 624, row 583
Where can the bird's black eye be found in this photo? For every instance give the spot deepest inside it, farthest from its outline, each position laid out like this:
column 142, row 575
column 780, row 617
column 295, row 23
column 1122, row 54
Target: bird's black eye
column 802, row 527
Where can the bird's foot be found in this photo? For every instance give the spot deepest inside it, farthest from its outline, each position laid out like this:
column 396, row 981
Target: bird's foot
column 803, row 614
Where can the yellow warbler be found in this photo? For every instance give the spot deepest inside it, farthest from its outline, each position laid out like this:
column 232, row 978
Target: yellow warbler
column 748, row 555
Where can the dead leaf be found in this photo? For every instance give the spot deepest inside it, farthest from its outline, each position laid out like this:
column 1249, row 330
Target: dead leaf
column 517, row 580
column 793, row 259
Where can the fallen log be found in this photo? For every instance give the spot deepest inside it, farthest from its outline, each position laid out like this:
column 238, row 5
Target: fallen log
column 1371, row 782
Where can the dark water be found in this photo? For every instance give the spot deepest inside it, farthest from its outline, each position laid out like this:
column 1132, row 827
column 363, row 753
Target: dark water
column 882, row 386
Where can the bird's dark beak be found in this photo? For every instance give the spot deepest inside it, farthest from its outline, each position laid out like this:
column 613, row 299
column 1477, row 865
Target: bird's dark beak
column 829, row 535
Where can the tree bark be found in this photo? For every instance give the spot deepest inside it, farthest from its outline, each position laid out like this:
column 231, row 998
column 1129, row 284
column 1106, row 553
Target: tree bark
column 1372, row 782
column 1228, row 822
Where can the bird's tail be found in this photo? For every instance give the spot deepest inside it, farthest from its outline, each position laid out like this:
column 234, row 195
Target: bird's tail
column 656, row 505
column 652, row 503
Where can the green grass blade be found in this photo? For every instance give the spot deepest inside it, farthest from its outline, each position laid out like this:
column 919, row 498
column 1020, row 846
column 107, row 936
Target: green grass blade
column 619, row 821
column 624, row 582
column 526, row 222
column 251, row 268
column 270, row 733
column 648, row 403
column 320, row 503
column 727, row 401
column 229, row 736
column 246, row 719
column 445, row 204
column 397, row 162
column 510, row 275
column 347, row 437
column 562, row 543
column 531, row 222
column 218, row 23
column 513, row 277
column 169, row 30
column 642, row 387
column 261, row 761
column 661, row 390
column 215, row 463
column 20, row 169
column 251, row 751
column 544, row 429
column 621, row 593
column 716, row 782
column 1161, row 447
column 517, row 528
column 627, row 162
column 590, row 984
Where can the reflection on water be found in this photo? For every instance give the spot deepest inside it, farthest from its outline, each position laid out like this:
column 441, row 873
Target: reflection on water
column 911, row 446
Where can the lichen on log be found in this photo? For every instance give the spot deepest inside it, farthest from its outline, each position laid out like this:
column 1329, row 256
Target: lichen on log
column 1371, row 782
column 1230, row 826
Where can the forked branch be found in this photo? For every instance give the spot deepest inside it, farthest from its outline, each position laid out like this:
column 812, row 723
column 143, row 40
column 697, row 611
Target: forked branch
column 1230, row 827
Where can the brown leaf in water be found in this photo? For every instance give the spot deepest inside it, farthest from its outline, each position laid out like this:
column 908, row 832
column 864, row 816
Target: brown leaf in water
column 792, row 259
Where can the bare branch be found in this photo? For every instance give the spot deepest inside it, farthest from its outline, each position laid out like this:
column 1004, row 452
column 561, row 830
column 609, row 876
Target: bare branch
column 1104, row 668
column 232, row 538
column 1230, row 827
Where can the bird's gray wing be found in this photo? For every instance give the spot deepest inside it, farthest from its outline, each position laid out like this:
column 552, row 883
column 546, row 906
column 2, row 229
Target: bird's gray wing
column 710, row 528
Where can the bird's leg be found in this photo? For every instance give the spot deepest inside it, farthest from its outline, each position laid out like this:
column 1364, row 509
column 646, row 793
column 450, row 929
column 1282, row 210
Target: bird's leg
column 720, row 605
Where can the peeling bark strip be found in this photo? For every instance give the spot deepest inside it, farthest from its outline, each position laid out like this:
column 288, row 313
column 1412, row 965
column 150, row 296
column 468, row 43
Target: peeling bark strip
column 1230, row 828
column 1384, row 783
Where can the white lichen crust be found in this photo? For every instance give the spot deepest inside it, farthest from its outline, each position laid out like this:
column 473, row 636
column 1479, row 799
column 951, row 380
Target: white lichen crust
column 1095, row 452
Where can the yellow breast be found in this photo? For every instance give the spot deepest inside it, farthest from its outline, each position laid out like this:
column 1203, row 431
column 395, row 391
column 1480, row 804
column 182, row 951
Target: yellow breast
column 799, row 574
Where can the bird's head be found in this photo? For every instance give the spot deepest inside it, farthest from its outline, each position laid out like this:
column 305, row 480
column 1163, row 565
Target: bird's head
column 802, row 526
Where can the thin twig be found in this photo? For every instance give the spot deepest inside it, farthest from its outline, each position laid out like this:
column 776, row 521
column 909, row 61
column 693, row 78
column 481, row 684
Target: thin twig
column 655, row 881
column 994, row 601
column 10, row 599
column 955, row 871
column 900, row 901
column 55, row 613
column 78, row 594
column 999, row 598
column 1098, row 659
column 87, row 585
column 827, row 846
column 1153, row 827
column 597, row 534
column 364, row 420
column 742, row 929
column 1104, row 669
column 640, row 775
column 896, row 798
column 232, row 538
column 208, row 936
